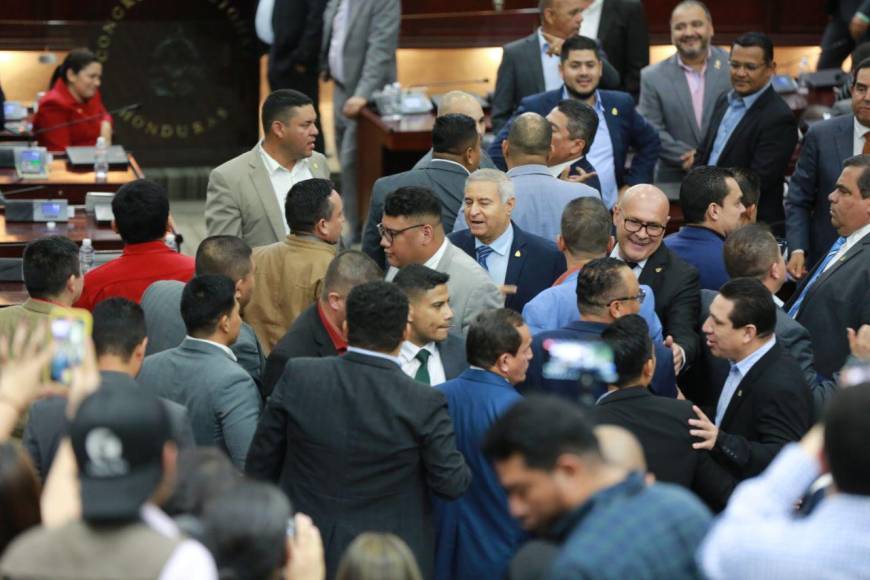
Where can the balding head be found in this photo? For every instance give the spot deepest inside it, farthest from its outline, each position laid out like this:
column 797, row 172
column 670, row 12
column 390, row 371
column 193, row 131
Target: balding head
column 620, row 448
column 529, row 141
column 640, row 217
column 462, row 103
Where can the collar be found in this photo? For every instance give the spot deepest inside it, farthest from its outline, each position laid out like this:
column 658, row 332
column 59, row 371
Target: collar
column 614, row 253
column 481, row 375
column 599, row 108
column 542, row 41
column 41, row 306
column 745, row 365
column 335, row 335
column 223, row 347
column 502, row 244
column 689, row 69
column 556, row 170
column 366, row 352
column 631, row 485
column 698, row 231
column 155, row 247
column 273, row 166
column 531, row 168
column 747, row 100
column 586, row 326
column 858, row 130
column 451, row 162
column 409, row 350
column 857, row 235
column 66, row 96
column 622, row 393
column 779, row 303
column 158, row 521
column 568, row 276
column 436, row 257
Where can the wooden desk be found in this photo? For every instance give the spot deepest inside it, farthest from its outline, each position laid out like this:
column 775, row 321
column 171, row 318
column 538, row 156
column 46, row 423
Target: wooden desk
column 63, row 182
column 15, row 235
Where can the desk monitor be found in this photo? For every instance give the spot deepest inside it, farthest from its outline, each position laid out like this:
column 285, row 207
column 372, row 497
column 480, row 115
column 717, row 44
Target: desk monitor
column 83, row 157
column 31, row 162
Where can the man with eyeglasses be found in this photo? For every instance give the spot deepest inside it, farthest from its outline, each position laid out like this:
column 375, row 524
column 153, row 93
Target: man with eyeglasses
column 411, row 233
column 752, row 126
column 640, row 218
column 607, row 290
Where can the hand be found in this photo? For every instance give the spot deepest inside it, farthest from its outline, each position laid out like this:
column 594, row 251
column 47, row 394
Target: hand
column 704, row 428
column 813, row 442
column 508, row 289
column 579, row 177
column 797, row 264
column 677, row 351
column 305, row 551
column 688, row 159
column 23, row 363
column 555, row 43
column 857, row 27
column 353, row 106
column 859, row 342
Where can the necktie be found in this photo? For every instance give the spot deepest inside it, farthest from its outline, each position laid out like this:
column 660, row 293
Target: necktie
column 731, row 384
column 631, row 265
column 796, row 305
column 866, row 149
column 482, row 253
column 422, row 374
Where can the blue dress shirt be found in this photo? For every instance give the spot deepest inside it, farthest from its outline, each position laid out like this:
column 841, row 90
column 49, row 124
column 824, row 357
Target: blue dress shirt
column 497, row 261
column 600, row 155
column 737, row 107
column 738, row 372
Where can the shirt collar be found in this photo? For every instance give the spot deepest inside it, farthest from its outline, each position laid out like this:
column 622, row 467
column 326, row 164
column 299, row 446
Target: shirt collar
column 153, row 247
column 158, row 521
column 689, row 69
column 273, row 166
column 374, row 353
column 436, row 257
column 857, row 235
column 858, row 130
column 335, row 335
column 777, row 301
column 223, row 347
column 464, row 168
column 502, row 244
column 747, row 363
column 409, row 350
column 543, row 42
column 556, row 170
column 614, row 253
column 748, row 100
column 598, row 106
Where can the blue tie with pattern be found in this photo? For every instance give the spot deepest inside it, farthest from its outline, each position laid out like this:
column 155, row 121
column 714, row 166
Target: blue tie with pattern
column 482, row 253
column 796, row 306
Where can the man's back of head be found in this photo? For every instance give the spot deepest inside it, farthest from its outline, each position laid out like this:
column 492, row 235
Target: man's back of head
column 601, row 286
column 628, row 338
column 377, row 317
column 462, row 103
column 753, row 252
column 228, row 256
column 750, row 185
column 846, row 435
column 314, row 208
column 529, row 140
column 455, row 138
column 348, row 270
column 141, row 210
column 51, row 269
column 209, row 307
column 586, row 227
column 119, row 332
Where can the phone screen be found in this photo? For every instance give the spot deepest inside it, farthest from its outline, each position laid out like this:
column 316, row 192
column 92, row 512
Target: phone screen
column 69, row 334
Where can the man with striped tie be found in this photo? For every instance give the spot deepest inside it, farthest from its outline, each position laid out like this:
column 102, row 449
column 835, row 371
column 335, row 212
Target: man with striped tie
column 835, row 295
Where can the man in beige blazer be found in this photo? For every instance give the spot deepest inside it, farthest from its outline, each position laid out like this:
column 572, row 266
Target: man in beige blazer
column 246, row 194
column 289, row 274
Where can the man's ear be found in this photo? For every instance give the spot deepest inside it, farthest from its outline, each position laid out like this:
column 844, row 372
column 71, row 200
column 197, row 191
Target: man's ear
column 505, row 148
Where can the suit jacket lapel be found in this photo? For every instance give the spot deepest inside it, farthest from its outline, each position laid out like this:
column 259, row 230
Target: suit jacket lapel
column 438, row 171
column 747, row 122
column 715, row 120
column 653, row 272
column 862, row 246
column 679, row 82
column 605, row 23
column 843, row 139
column 744, row 389
column 710, row 95
column 516, row 258
column 263, row 186
column 614, row 125
column 533, row 55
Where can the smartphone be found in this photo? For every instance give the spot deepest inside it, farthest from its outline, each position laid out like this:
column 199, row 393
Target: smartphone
column 70, row 328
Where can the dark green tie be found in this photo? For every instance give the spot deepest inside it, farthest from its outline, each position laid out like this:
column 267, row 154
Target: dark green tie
column 423, row 372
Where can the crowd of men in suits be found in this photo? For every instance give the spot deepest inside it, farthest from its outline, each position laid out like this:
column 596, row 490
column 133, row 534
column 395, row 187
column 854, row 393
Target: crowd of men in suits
column 447, row 382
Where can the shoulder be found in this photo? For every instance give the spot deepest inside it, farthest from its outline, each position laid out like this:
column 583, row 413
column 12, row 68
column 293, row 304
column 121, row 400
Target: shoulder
column 163, row 290
column 617, row 99
column 653, row 72
column 460, row 237
column 237, row 164
column 541, row 246
column 464, row 267
column 511, row 48
column 675, row 503
column 539, row 102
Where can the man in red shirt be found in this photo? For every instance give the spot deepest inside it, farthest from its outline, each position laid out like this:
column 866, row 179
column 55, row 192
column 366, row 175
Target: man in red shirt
column 141, row 211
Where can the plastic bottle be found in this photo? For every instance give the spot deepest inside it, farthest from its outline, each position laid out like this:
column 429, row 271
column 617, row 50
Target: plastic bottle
column 86, row 256
column 170, row 242
column 101, row 160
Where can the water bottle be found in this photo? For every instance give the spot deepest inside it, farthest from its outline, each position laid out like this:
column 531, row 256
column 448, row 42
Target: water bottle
column 101, row 160
column 170, row 242
column 803, row 70
column 86, row 256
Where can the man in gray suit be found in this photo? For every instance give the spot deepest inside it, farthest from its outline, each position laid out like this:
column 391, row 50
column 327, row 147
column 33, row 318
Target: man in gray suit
column 456, row 153
column 202, row 373
column 360, row 39
column 429, row 354
column 461, row 103
column 216, row 255
column 677, row 95
column 245, row 196
column 540, row 197
column 411, row 233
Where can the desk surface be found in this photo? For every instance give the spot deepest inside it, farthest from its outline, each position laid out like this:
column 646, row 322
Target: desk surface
column 15, row 235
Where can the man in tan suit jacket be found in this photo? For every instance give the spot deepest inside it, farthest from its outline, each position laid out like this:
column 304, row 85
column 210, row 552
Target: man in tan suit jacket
column 246, row 194
column 289, row 274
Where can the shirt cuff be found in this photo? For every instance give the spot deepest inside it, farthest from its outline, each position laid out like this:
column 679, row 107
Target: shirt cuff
column 683, row 351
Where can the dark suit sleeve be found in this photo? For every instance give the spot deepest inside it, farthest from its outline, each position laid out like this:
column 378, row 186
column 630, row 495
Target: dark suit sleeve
column 647, row 145
column 238, row 409
column 773, row 150
column 447, row 475
column 796, row 341
column 308, row 50
column 681, row 316
column 703, row 154
column 371, row 241
column 637, row 48
column 504, row 98
column 712, row 482
column 274, row 368
column 266, row 454
column 610, row 79
column 801, row 198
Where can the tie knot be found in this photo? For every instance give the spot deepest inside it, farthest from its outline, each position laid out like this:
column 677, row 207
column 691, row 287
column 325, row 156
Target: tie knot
column 483, row 252
column 631, row 265
column 423, row 356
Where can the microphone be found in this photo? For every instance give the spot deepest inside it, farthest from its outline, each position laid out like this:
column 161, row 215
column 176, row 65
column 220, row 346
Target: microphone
column 125, row 108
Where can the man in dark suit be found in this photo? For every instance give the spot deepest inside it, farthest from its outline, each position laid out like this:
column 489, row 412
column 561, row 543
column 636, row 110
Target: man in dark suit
column 355, row 443
column 455, row 154
column 765, row 402
column 620, row 127
column 430, row 354
column 499, row 347
column 752, row 126
column 318, row 332
column 119, row 343
column 640, row 219
column 712, row 205
column 520, row 263
column 658, row 423
column 827, row 144
column 835, row 294
column 607, row 290
column 624, row 36
column 574, row 127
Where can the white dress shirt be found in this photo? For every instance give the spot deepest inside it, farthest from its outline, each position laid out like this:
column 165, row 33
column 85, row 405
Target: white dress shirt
column 614, row 253
column 858, row 132
column 497, row 261
column 556, row 170
column 411, row 365
column 851, row 240
column 223, row 347
column 190, row 559
column 430, row 263
column 376, row 354
column 739, row 370
column 335, row 57
column 591, row 19
column 283, row 179
column 550, row 64
column 263, row 21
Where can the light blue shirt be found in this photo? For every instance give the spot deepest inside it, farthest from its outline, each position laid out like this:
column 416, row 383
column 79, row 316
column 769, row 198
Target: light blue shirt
column 736, row 375
column 383, row 355
column 549, row 64
column 601, row 155
column 556, row 307
column 737, row 107
column 497, row 261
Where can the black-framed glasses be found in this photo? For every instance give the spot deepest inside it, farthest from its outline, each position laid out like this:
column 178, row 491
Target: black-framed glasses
column 389, row 234
column 652, row 229
column 640, row 297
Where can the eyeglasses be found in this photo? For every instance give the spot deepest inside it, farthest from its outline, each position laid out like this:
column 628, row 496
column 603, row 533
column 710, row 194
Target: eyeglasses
column 749, row 66
column 640, row 297
column 652, row 229
column 389, row 234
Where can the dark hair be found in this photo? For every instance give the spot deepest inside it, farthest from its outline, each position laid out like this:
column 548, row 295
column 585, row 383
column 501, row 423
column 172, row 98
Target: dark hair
column 413, row 202
column 454, row 134
column 701, row 187
column 846, row 434
column 628, row 338
column 859, row 65
column 223, row 255
column 749, row 183
column 530, row 134
column 582, row 120
column 19, row 493
column 753, row 304
column 75, row 61
column 377, row 313
column 245, row 528
column 493, row 333
column 203, row 473
column 540, row 429
column 277, row 106
column 204, row 301
column 758, row 39
column 347, row 270
column 862, row 161
column 586, row 226
column 749, row 251
column 578, row 42
column 307, row 203
column 378, row 556
column 47, row 265
column 141, row 210
column 119, row 327
column 599, row 281
column 416, row 279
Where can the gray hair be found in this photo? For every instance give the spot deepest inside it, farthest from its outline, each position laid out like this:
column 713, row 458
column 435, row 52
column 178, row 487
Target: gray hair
column 499, row 178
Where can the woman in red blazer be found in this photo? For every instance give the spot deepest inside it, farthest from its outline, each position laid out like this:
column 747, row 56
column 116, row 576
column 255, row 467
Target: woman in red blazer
column 73, row 97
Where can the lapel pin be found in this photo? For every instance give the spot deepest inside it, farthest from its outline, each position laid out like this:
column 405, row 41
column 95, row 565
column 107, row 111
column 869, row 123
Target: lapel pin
column 718, row 64
column 614, row 112
column 659, row 269
column 740, row 393
column 518, row 254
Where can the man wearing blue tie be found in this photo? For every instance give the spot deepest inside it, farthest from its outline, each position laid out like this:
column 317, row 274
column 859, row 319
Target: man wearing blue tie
column 835, row 295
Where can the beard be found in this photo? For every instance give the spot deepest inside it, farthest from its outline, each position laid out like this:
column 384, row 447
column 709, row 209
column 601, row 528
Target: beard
column 694, row 53
column 578, row 95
